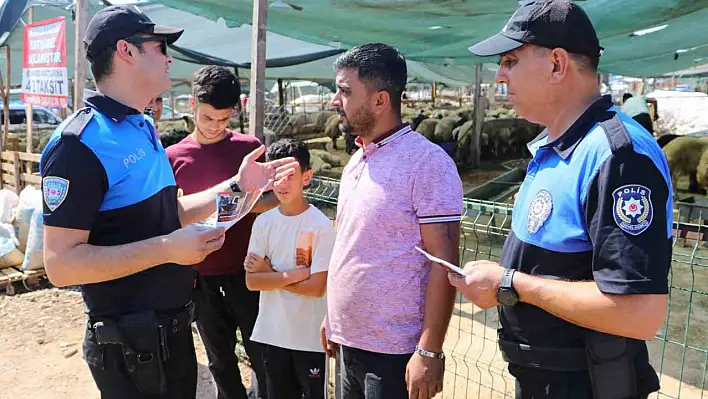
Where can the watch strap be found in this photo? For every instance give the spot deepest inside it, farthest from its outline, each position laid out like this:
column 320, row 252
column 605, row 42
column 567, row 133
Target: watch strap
column 507, row 278
column 432, row 355
column 234, row 187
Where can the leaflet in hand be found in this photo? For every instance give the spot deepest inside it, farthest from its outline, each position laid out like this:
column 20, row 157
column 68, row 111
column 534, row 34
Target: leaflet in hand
column 232, row 207
column 442, row 263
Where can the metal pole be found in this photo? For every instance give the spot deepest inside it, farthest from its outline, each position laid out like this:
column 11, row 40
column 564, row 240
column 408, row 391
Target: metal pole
column 256, row 99
column 478, row 117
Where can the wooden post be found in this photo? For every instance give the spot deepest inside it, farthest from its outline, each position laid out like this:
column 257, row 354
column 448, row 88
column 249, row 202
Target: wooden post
column 478, row 117
column 6, row 130
column 172, row 104
column 256, row 100
column 241, row 109
column 29, row 114
column 18, row 171
column 281, row 94
column 433, row 92
column 82, row 14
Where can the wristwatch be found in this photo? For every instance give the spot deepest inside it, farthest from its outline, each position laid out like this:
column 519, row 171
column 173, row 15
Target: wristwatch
column 234, row 187
column 506, row 294
column 432, row 355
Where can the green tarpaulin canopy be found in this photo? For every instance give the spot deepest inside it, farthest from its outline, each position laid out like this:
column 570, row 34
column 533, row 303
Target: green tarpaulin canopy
column 440, row 31
column 213, row 42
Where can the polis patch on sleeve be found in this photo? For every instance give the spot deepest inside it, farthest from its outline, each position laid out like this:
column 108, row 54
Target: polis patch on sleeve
column 632, row 209
column 55, row 190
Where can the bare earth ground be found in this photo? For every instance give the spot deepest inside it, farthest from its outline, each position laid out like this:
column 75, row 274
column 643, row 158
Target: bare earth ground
column 40, row 349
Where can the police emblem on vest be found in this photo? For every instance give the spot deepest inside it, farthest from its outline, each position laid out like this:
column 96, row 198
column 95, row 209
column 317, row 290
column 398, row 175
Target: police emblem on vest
column 539, row 211
column 632, row 209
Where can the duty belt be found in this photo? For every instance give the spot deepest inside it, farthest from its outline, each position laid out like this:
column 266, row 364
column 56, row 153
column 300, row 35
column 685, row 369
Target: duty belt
column 556, row 359
column 107, row 330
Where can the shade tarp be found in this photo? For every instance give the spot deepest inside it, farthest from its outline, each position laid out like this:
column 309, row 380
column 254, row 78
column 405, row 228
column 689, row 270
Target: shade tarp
column 213, row 42
column 440, row 31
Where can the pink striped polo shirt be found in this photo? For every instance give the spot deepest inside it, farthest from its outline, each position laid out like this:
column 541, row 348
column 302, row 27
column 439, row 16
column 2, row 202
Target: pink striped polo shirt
column 377, row 280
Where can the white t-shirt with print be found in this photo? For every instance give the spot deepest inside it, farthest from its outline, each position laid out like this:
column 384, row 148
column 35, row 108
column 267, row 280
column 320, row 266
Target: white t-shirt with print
column 285, row 319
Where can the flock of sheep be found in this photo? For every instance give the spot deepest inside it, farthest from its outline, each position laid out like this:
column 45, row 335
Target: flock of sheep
column 503, row 137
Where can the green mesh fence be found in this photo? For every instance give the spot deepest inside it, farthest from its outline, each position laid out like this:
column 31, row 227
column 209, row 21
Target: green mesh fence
column 474, row 366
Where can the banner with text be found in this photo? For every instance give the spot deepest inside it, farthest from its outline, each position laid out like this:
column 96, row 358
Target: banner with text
column 44, row 75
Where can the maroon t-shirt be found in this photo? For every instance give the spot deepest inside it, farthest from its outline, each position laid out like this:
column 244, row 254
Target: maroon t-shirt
column 198, row 167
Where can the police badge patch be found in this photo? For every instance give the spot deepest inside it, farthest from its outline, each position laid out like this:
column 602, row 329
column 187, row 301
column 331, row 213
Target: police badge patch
column 55, row 190
column 632, row 208
column 539, row 211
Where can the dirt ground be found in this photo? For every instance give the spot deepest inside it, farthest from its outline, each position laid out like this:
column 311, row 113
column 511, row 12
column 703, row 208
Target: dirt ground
column 40, row 337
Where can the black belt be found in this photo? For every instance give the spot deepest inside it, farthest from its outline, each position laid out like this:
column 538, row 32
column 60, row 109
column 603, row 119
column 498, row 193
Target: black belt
column 556, row 359
column 171, row 322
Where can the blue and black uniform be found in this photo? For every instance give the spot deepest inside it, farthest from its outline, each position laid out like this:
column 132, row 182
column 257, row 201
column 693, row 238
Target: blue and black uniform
column 105, row 171
column 595, row 205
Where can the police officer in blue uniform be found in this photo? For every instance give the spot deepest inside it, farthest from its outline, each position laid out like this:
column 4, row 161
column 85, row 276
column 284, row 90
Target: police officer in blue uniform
column 114, row 225
column 583, row 277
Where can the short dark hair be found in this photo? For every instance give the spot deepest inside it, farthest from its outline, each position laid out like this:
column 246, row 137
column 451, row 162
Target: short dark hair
column 102, row 64
column 626, row 96
column 290, row 147
column 584, row 62
column 216, row 86
column 380, row 66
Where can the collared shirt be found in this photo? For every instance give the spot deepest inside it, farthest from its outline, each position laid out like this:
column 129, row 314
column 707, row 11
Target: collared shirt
column 104, row 171
column 377, row 280
column 595, row 205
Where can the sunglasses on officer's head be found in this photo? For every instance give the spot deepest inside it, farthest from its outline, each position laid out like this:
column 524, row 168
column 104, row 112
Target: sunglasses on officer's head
column 141, row 40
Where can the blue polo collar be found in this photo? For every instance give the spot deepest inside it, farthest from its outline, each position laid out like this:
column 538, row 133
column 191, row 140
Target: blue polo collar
column 108, row 106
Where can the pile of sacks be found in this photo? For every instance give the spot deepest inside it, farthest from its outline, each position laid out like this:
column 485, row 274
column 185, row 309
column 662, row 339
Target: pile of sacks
column 21, row 229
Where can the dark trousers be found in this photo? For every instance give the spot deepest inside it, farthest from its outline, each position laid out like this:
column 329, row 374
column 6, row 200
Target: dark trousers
column 373, row 375
column 225, row 305
column 292, row 374
column 537, row 384
column 109, row 371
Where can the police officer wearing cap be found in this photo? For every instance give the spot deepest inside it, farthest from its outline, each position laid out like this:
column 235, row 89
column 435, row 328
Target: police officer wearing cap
column 582, row 280
column 113, row 223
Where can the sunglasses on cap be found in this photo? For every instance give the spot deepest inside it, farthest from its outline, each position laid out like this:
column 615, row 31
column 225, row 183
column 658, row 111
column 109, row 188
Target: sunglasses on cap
column 141, row 40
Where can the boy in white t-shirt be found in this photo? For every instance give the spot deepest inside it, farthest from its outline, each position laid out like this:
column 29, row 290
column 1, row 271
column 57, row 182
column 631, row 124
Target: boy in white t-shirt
column 293, row 282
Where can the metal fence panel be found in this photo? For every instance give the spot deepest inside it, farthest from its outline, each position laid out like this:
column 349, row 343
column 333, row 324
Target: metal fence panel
column 474, row 366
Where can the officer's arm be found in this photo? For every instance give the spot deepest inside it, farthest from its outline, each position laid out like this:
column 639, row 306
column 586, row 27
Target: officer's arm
column 69, row 260
column 251, row 175
column 631, row 254
column 73, row 185
column 437, row 191
column 199, row 206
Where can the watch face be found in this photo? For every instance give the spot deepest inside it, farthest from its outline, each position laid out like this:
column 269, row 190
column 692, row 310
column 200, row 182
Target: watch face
column 507, row 297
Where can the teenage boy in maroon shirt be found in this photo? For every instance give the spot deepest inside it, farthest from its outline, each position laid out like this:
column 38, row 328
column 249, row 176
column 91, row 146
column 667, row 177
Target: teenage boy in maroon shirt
column 209, row 155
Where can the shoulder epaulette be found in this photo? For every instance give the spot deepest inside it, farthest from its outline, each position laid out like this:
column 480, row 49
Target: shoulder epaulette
column 616, row 133
column 77, row 123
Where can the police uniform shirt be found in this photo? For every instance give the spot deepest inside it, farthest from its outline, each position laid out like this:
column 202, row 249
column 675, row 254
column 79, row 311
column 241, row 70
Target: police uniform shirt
column 595, row 205
column 105, row 171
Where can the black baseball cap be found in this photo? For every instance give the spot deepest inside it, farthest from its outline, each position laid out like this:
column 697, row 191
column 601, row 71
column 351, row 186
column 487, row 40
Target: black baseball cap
column 117, row 22
column 546, row 23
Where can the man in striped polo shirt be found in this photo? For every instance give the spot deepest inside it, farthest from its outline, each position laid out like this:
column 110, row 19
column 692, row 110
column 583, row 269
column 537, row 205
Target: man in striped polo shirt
column 388, row 307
